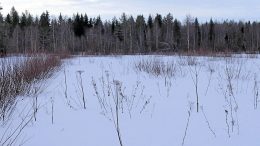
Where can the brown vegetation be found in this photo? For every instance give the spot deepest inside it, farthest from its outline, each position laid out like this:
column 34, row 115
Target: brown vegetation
column 18, row 75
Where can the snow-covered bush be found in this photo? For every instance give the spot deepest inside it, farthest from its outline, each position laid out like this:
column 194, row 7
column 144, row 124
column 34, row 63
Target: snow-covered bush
column 156, row 67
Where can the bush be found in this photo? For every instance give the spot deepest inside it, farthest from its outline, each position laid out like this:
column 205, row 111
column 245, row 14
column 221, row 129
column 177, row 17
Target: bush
column 156, row 67
column 18, row 75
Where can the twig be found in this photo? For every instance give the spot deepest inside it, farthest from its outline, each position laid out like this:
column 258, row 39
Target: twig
column 195, row 82
column 187, row 124
column 186, row 129
column 208, row 83
column 66, row 87
column 18, row 130
column 256, row 93
column 52, row 110
column 117, row 115
column 82, row 89
column 228, row 131
column 207, row 121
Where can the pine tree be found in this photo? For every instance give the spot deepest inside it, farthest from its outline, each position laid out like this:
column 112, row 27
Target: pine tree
column 60, row 19
column 212, row 34
column 117, row 30
column 86, row 23
column 177, row 34
column 197, row 39
column 113, row 26
column 8, row 25
column 98, row 22
column 78, row 26
column 8, row 19
column 1, row 30
column 150, row 22
column 29, row 19
column 1, row 18
column 23, row 21
column 158, row 20
column 14, row 17
column 90, row 23
column 45, row 31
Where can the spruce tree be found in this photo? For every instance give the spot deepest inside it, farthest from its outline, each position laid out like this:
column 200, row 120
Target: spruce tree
column 8, row 25
column 29, row 19
column 14, row 17
column 1, row 30
column 158, row 19
column 177, row 34
column 150, row 22
column 113, row 26
column 86, row 23
column 197, row 34
column 45, row 30
column 90, row 23
column 212, row 34
column 78, row 26
column 60, row 19
column 98, row 22
column 1, row 18
column 23, row 21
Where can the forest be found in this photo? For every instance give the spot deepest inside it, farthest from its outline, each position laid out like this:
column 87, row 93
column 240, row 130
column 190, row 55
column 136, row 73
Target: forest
column 124, row 35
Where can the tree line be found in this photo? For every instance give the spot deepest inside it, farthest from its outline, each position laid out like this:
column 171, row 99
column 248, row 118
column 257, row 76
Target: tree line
column 125, row 35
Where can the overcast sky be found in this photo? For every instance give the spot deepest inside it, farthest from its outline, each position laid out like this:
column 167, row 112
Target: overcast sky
column 203, row 9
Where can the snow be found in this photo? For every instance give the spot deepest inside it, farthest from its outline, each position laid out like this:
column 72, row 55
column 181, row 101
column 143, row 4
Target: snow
column 160, row 104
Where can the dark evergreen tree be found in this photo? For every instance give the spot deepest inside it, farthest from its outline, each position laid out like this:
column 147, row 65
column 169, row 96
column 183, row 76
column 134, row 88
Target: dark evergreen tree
column 86, row 23
column 212, row 34
column 118, row 30
column 23, row 21
column 241, row 37
column 45, row 20
column 60, row 19
column 14, row 17
column 45, row 31
column 8, row 19
column 150, row 22
column 197, row 34
column 36, row 22
column 113, row 26
column 158, row 19
column 177, row 34
column 98, row 22
column 226, row 38
column 8, row 25
column 78, row 26
column 1, row 30
column 1, row 18
column 29, row 19
column 90, row 23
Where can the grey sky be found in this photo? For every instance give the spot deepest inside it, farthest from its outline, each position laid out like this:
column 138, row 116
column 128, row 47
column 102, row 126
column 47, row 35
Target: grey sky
column 203, row 9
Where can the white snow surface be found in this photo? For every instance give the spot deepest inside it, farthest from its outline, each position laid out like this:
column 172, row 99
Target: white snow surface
column 155, row 109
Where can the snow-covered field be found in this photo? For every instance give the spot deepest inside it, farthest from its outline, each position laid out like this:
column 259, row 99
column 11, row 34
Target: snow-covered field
column 145, row 108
